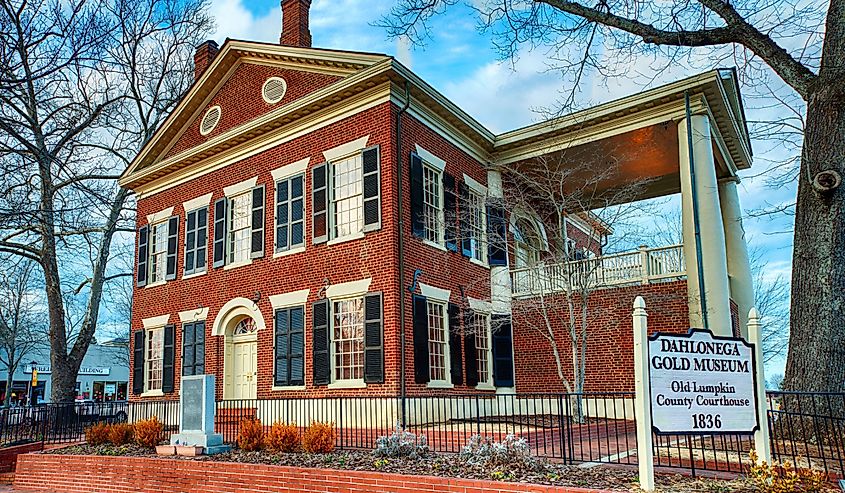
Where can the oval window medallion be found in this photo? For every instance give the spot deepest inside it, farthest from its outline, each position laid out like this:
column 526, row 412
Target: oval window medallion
column 274, row 90
column 210, row 120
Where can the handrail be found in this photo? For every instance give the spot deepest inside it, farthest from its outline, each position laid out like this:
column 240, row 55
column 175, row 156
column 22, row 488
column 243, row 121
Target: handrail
column 642, row 266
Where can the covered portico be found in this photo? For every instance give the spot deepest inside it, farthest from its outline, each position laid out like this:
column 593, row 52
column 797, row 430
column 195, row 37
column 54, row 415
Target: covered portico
column 688, row 137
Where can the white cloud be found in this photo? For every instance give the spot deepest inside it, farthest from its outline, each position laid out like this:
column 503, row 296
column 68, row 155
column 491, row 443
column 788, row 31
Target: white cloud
column 236, row 21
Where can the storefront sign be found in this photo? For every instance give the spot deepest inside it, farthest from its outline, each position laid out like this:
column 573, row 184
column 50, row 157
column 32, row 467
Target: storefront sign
column 111, row 388
column 84, row 370
column 701, row 383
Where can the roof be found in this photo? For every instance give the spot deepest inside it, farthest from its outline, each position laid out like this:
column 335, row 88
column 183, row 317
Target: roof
column 716, row 92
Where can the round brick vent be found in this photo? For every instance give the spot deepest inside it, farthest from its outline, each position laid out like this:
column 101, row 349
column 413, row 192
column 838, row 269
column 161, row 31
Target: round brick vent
column 274, row 90
column 210, row 120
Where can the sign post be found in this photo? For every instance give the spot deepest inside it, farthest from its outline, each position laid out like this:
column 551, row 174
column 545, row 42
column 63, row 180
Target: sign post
column 645, row 453
column 762, row 445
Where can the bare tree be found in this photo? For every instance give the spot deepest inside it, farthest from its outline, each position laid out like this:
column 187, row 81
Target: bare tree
column 83, row 85
column 21, row 322
column 801, row 43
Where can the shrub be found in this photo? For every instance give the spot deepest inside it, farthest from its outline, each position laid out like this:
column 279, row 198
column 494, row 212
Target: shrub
column 401, row 443
column 319, row 438
column 250, row 435
column 149, row 432
column 783, row 478
column 97, row 434
column 283, row 438
column 121, row 433
column 510, row 453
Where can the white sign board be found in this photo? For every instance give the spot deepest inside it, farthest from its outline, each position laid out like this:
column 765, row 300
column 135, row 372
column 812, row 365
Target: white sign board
column 701, row 383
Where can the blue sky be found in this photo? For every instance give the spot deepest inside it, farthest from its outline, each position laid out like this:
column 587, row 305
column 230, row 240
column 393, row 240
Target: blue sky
column 460, row 61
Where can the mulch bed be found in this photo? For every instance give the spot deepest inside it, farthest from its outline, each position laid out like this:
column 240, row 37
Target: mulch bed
column 611, row 478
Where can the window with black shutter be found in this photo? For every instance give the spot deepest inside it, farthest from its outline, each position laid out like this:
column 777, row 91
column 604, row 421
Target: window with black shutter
column 290, row 213
column 196, row 240
column 320, row 342
column 138, row 363
column 167, row 377
column 373, row 338
column 502, row 351
column 421, row 366
column 143, row 251
column 455, row 355
column 319, row 204
column 220, row 220
column 289, row 368
column 466, row 237
column 372, row 189
column 193, row 348
column 172, row 247
column 257, row 235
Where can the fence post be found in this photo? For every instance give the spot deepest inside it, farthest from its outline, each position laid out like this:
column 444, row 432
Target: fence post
column 642, row 413
column 762, row 445
column 644, row 264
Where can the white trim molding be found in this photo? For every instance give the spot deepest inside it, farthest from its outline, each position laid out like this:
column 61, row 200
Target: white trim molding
column 345, row 149
column 159, row 216
column 290, row 169
column 196, row 315
column 348, row 289
column 480, row 306
column 434, row 293
column 430, row 158
column 197, row 203
column 241, row 187
column 155, row 322
column 234, row 308
column 294, row 298
column 475, row 186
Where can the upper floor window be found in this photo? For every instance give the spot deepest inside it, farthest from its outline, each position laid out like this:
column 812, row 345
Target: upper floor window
column 196, row 240
column 346, row 196
column 475, row 228
column 157, row 249
column 290, row 213
column 240, row 228
column 239, row 225
column 432, row 204
column 158, row 253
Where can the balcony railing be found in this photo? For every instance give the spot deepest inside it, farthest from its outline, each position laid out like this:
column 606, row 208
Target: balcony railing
column 643, row 266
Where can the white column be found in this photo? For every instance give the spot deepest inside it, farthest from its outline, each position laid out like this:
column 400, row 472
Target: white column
column 642, row 393
column 712, row 232
column 761, row 437
column 500, row 281
column 739, row 266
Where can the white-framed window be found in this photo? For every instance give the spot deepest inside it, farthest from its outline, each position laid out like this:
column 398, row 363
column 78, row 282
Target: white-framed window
column 480, row 326
column 475, row 229
column 290, row 213
column 158, row 252
column 347, row 196
column 154, row 359
column 240, row 224
column 438, row 342
column 433, row 204
column 347, row 334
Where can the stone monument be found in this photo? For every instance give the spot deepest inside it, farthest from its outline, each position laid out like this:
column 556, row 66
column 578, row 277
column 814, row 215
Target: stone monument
column 196, row 428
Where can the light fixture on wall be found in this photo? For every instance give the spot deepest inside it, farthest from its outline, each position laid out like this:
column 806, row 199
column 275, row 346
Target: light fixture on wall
column 321, row 294
column 256, row 297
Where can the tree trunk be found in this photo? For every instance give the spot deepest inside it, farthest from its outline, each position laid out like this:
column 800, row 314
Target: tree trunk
column 816, row 360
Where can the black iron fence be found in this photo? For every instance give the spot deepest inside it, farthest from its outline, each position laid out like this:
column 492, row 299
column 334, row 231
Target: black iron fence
column 807, row 429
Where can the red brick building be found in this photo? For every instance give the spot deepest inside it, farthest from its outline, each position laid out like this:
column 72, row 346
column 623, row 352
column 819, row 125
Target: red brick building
column 309, row 220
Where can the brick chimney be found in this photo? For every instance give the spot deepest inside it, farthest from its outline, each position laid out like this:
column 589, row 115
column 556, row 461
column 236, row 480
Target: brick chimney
column 204, row 56
column 295, row 23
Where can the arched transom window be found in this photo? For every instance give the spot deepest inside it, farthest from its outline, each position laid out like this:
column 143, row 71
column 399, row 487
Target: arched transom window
column 245, row 326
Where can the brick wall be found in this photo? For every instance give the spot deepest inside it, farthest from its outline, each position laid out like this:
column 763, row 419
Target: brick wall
column 98, row 474
column 610, row 340
column 240, row 99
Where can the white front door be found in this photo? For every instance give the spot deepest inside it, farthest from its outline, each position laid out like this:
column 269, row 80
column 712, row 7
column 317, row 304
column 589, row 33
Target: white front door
column 244, row 371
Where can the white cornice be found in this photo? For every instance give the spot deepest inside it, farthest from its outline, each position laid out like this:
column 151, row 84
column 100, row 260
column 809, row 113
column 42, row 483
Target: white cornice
column 290, row 169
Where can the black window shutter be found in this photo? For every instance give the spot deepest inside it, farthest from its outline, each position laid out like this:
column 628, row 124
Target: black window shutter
column 188, row 349
column 189, row 261
column 320, row 341
column 282, row 367
column 502, row 351
column 296, row 347
column 372, row 189
column 417, row 209
column 496, row 235
column 199, row 348
column 319, row 204
column 143, row 254
column 172, row 247
column 138, row 363
column 169, row 358
column 421, row 368
column 450, row 202
column 282, row 215
column 257, row 240
column 455, row 353
column 373, row 339
column 470, row 353
column 466, row 240
column 220, row 232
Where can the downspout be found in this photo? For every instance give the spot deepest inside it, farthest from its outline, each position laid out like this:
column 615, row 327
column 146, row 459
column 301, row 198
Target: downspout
column 401, row 211
column 695, row 221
